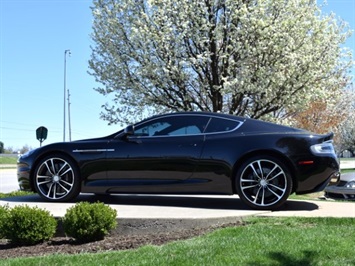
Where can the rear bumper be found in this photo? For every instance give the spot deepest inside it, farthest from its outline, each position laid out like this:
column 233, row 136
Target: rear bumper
column 316, row 176
column 322, row 185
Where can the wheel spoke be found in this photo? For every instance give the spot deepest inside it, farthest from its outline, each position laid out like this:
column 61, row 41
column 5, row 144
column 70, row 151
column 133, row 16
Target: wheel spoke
column 47, row 180
column 63, row 187
column 260, row 169
column 68, row 169
column 270, row 173
column 282, row 189
column 48, row 168
column 52, row 186
column 273, row 177
column 254, row 170
column 65, row 184
column 251, row 186
column 53, row 167
column 257, row 196
column 276, row 195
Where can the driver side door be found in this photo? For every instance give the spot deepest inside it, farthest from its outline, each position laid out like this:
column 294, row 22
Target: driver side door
column 160, row 153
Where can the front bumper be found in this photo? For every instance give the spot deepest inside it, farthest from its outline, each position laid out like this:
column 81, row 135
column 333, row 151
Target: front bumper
column 343, row 190
column 339, row 190
column 23, row 176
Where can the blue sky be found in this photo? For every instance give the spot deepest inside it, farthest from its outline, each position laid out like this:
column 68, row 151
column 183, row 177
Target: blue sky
column 33, row 37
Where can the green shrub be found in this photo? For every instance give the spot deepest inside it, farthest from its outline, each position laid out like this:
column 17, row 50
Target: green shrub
column 28, row 226
column 89, row 222
column 4, row 213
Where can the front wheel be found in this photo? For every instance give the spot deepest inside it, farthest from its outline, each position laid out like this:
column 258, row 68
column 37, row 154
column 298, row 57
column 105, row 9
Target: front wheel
column 263, row 183
column 56, row 178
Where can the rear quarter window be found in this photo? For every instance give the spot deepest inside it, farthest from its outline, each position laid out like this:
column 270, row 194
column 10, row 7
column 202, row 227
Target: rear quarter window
column 221, row 125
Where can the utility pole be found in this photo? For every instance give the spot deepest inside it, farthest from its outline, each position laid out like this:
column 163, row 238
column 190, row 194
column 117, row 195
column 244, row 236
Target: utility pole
column 65, row 88
column 69, row 116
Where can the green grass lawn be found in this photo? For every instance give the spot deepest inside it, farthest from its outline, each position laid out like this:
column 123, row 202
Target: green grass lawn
column 15, row 194
column 8, row 160
column 261, row 241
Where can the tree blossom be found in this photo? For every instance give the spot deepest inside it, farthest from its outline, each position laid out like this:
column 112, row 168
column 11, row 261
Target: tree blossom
column 255, row 58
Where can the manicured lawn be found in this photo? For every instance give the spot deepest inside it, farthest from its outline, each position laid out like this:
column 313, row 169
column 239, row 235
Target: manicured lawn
column 261, row 241
column 8, row 160
column 15, row 194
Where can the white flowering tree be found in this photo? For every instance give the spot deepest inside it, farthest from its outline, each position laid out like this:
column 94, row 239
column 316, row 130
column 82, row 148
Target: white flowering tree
column 256, row 58
column 346, row 136
column 345, row 130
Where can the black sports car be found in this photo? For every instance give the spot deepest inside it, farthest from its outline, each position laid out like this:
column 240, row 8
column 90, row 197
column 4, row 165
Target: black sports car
column 186, row 153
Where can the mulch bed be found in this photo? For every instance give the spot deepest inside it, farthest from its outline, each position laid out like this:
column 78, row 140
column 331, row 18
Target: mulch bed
column 64, row 245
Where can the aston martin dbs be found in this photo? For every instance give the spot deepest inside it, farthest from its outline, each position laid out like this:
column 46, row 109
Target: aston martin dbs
column 186, row 153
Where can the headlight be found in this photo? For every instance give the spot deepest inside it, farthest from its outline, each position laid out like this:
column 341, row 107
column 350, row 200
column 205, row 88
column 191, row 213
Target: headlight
column 27, row 153
column 323, row 148
column 350, row 184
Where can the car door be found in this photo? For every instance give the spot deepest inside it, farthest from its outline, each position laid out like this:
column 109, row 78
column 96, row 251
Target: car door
column 163, row 151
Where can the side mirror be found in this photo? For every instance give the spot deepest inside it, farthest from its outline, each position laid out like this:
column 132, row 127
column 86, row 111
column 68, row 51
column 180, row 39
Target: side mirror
column 129, row 130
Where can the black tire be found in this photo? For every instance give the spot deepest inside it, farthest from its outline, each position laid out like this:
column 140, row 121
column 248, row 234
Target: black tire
column 56, row 178
column 263, row 183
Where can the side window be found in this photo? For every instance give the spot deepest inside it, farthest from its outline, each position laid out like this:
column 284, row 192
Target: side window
column 188, row 130
column 151, row 129
column 221, row 125
column 173, row 126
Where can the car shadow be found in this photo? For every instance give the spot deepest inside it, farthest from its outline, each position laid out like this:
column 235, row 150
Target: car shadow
column 201, row 202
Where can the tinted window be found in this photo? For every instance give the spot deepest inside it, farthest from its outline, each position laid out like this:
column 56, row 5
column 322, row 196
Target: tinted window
column 151, row 129
column 221, row 125
column 173, row 126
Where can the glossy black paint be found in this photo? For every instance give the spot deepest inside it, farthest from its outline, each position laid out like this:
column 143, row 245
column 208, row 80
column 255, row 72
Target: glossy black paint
column 201, row 157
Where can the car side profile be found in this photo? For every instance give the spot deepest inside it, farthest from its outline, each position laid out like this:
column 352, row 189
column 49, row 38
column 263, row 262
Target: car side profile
column 186, row 153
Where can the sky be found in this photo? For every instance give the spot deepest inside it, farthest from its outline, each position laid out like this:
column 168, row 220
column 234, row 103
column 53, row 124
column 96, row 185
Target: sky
column 34, row 35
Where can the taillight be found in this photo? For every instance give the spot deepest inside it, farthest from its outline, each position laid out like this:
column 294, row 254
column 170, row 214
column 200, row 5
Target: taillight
column 323, row 148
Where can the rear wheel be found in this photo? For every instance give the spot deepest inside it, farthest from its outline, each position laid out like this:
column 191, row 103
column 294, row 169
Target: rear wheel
column 56, row 178
column 263, row 183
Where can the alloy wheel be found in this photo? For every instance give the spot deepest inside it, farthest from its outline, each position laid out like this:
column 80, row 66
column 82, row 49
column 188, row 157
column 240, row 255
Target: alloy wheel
column 55, row 179
column 264, row 184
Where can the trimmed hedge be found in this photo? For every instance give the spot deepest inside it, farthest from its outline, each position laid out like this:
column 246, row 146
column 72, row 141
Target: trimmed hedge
column 24, row 225
column 4, row 214
column 89, row 221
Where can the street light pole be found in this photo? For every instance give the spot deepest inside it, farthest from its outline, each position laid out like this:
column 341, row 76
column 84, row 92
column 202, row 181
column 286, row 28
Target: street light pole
column 65, row 85
column 69, row 116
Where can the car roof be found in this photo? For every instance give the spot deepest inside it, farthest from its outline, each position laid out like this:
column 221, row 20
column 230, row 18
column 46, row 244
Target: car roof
column 203, row 113
column 249, row 124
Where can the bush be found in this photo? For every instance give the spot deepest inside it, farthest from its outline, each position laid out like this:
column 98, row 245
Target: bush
column 4, row 213
column 28, row 226
column 89, row 222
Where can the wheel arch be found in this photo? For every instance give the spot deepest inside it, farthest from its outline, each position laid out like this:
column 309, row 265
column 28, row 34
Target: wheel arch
column 271, row 153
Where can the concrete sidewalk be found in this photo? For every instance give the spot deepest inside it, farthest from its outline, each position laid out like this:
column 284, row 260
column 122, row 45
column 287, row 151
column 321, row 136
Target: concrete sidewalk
column 8, row 166
column 190, row 207
column 138, row 214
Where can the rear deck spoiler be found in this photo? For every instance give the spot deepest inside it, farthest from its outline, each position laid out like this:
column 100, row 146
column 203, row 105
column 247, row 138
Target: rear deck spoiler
column 328, row 136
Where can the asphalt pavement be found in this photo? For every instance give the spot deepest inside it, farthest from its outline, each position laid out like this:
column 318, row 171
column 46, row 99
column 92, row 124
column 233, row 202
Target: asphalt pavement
column 149, row 213
column 8, row 180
